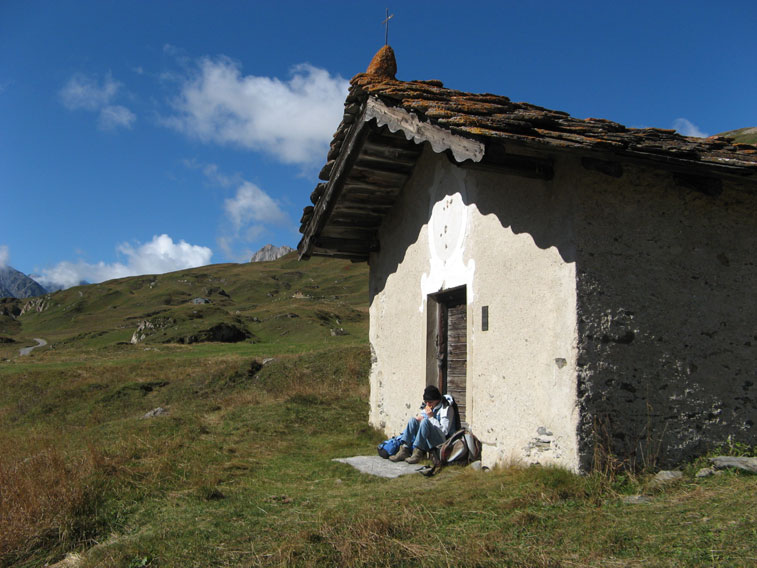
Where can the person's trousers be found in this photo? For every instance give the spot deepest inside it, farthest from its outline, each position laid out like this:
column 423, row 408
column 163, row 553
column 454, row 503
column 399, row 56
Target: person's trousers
column 423, row 435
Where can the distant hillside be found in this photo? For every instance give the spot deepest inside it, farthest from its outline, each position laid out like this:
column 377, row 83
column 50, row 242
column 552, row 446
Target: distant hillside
column 270, row 252
column 15, row 284
column 742, row 135
column 268, row 302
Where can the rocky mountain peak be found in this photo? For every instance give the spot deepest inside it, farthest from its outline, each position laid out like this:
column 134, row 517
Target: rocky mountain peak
column 270, row 252
column 15, row 284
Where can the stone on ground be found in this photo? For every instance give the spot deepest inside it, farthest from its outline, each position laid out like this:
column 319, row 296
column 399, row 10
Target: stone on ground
column 376, row 465
column 744, row 464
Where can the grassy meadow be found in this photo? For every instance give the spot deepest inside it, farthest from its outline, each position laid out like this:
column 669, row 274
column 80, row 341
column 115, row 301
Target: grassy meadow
column 238, row 470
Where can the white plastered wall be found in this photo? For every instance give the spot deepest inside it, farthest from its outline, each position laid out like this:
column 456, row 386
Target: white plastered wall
column 508, row 239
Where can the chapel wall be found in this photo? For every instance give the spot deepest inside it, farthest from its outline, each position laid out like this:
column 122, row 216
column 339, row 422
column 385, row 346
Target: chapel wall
column 667, row 316
column 508, row 239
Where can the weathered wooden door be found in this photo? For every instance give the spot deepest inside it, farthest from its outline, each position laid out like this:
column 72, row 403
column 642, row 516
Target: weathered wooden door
column 452, row 345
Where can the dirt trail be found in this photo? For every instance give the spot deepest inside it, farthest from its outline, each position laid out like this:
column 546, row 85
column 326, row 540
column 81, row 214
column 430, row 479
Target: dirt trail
column 27, row 350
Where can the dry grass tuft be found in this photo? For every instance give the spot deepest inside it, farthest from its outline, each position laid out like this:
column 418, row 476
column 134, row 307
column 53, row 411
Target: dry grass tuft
column 46, row 497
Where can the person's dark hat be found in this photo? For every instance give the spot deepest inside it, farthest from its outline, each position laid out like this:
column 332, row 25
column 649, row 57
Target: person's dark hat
column 431, row 393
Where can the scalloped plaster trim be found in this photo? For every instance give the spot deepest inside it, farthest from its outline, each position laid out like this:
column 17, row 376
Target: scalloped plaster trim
column 413, row 129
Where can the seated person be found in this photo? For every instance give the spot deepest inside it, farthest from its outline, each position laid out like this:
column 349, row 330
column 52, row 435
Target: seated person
column 426, row 430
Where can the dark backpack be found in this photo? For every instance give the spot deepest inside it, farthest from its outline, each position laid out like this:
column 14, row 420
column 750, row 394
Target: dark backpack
column 462, row 448
column 455, row 424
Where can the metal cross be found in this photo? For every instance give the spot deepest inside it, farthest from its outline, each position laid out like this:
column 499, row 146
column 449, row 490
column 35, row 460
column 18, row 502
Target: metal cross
column 386, row 23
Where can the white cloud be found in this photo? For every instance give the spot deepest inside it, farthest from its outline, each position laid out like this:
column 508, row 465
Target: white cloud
column 688, row 128
column 292, row 120
column 113, row 116
column 251, row 214
column 5, row 256
column 83, row 92
column 86, row 93
column 156, row 257
column 163, row 255
column 252, row 205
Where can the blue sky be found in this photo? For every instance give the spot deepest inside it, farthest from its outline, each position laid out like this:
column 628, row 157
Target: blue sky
column 149, row 136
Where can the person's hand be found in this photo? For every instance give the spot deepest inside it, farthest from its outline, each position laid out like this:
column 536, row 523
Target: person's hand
column 429, row 411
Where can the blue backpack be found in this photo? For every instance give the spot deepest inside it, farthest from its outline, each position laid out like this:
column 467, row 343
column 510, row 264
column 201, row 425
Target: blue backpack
column 389, row 447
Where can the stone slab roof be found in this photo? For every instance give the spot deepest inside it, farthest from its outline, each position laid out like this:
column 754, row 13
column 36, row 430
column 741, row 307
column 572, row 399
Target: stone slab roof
column 386, row 121
column 493, row 118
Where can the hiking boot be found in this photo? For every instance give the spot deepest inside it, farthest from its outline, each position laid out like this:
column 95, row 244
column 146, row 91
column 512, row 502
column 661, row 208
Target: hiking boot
column 417, row 456
column 402, row 455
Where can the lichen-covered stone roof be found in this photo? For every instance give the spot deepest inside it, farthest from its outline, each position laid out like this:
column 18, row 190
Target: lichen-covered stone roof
column 495, row 119
column 487, row 116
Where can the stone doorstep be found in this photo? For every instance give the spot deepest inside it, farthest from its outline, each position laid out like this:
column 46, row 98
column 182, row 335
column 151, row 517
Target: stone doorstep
column 376, row 465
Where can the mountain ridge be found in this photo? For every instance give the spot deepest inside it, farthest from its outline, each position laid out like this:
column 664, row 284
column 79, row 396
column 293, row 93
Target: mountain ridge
column 16, row 284
column 270, row 252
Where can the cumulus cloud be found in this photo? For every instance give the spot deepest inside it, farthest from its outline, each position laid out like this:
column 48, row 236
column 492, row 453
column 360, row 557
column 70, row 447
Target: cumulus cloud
column 4, row 256
column 83, row 92
column 251, row 205
column 250, row 213
column 687, row 128
column 158, row 256
column 292, row 120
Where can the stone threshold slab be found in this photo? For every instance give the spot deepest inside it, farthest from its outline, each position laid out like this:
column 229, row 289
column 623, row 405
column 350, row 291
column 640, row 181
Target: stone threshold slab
column 376, row 465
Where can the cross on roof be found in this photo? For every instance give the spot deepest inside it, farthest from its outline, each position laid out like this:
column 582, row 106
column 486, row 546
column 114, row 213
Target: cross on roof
column 386, row 23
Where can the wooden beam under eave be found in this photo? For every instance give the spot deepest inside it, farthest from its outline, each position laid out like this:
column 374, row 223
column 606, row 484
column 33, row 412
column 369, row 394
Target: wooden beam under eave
column 351, row 208
column 372, row 149
column 356, row 246
column 385, row 138
column 354, row 257
column 385, row 164
column 379, row 200
column 376, row 177
column 353, row 232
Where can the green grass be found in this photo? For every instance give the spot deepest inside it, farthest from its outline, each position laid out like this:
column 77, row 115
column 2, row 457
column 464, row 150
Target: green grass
column 742, row 135
column 281, row 302
column 239, row 471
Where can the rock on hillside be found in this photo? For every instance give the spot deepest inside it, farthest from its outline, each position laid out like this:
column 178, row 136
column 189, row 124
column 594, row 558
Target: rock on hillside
column 270, row 252
column 15, row 284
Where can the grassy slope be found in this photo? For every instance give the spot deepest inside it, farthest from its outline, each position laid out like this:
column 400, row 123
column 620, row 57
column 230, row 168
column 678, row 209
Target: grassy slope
column 742, row 135
column 239, row 471
column 270, row 300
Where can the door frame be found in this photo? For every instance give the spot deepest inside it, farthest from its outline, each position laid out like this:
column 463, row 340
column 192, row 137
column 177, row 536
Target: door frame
column 437, row 336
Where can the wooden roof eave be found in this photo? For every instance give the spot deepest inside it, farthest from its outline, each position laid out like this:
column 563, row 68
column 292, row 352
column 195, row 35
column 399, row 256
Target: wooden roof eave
column 344, row 162
column 374, row 116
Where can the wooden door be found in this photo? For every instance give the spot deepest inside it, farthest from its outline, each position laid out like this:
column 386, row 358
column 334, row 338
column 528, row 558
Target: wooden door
column 452, row 346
